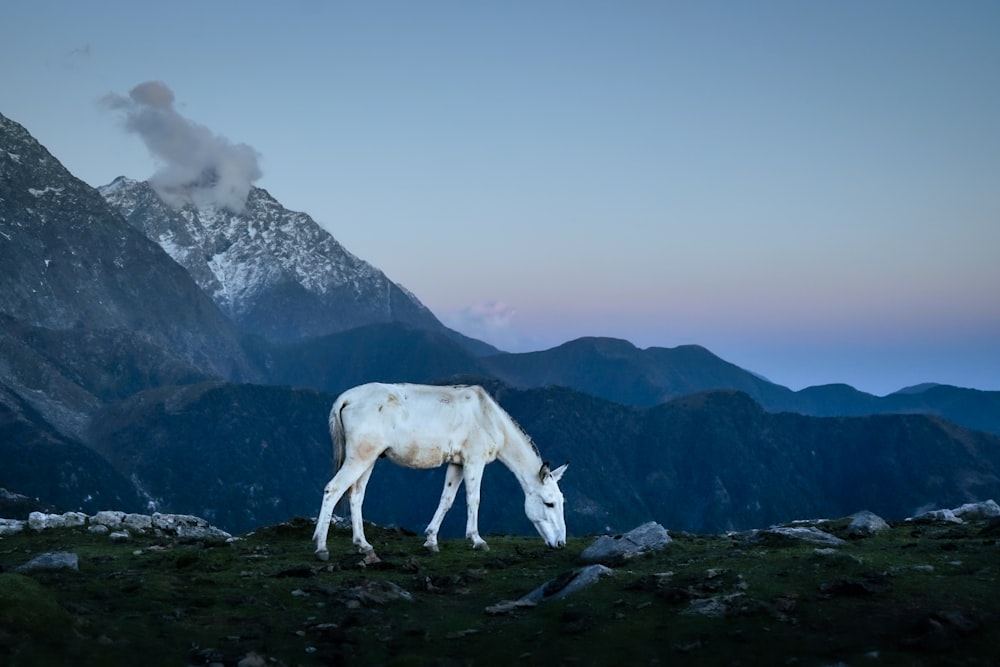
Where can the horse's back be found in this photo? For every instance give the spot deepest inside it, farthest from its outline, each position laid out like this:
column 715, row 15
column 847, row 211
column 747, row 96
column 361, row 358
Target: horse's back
column 419, row 425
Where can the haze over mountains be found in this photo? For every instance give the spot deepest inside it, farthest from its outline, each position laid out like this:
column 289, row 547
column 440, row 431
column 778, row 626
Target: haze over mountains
column 186, row 358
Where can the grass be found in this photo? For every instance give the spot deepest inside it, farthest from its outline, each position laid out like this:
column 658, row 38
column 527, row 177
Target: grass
column 916, row 595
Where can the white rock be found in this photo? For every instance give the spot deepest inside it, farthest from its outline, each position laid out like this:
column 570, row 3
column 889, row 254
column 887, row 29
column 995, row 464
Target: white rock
column 648, row 537
column 866, row 524
column 138, row 523
column 42, row 521
column 977, row 511
column 937, row 516
column 110, row 518
column 52, row 561
column 802, row 534
column 11, row 526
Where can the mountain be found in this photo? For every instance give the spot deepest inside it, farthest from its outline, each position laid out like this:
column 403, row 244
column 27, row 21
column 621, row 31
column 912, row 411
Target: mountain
column 712, row 462
column 239, row 455
column 276, row 273
column 42, row 464
column 385, row 352
column 618, row 371
column 718, row 461
column 122, row 382
column 88, row 301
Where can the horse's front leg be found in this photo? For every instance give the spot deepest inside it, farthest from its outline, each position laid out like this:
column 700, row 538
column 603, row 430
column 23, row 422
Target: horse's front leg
column 452, row 480
column 473, row 475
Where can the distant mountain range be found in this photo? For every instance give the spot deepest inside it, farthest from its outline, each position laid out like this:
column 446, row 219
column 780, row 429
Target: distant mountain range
column 187, row 359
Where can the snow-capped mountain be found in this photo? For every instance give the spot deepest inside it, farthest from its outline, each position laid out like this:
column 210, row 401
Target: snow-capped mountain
column 275, row 272
column 89, row 307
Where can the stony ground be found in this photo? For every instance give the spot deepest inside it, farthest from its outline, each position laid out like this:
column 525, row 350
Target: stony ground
column 923, row 594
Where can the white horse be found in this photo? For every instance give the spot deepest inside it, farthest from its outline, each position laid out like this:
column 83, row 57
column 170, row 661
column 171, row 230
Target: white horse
column 421, row 426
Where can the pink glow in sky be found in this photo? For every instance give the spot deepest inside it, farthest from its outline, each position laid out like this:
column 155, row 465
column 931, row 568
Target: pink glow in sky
column 810, row 190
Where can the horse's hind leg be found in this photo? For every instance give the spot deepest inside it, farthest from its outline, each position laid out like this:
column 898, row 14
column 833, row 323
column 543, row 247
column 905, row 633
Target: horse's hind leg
column 357, row 495
column 452, row 480
column 335, row 488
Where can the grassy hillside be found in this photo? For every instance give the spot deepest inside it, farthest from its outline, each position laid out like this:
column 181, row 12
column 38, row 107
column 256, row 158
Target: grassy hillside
column 918, row 594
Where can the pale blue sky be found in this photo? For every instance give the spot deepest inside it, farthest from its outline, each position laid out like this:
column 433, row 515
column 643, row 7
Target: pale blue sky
column 809, row 189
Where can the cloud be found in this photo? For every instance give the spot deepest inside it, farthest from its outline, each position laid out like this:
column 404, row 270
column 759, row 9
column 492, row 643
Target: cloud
column 197, row 166
column 490, row 321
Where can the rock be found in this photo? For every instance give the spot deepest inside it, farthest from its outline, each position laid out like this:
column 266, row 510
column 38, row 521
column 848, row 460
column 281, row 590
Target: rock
column 42, row 521
column 555, row 589
column 796, row 534
column 56, row 560
column 120, row 536
column 138, row 523
column 936, row 516
column 187, row 526
column 866, row 524
column 11, row 526
column 568, row 583
column 648, row 537
column 977, row 511
column 377, row 592
column 112, row 519
column 714, row 607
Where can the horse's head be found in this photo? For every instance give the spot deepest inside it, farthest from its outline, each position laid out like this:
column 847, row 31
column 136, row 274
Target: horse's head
column 544, row 506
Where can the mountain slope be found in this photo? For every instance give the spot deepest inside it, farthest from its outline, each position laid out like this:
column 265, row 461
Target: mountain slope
column 275, row 272
column 386, row 352
column 91, row 309
column 38, row 462
column 70, row 262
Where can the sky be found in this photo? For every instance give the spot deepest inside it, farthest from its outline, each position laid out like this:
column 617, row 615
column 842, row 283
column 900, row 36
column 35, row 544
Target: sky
column 810, row 190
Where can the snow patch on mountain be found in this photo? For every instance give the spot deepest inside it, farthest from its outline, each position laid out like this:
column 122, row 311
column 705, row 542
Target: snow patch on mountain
column 268, row 258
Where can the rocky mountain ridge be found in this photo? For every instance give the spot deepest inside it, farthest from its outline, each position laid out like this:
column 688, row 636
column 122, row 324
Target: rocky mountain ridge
column 275, row 272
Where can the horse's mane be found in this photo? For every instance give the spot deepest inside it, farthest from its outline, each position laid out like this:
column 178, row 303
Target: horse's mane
column 511, row 422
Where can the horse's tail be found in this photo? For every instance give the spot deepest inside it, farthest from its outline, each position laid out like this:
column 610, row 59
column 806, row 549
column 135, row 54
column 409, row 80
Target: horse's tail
column 337, row 435
column 339, row 439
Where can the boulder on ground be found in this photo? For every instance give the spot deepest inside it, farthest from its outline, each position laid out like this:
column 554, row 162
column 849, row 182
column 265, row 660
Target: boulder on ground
column 112, row 519
column 644, row 539
column 795, row 534
column 11, row 526
column 56, row 560
column 866, row 524
column 42, row 521
column 562, row 586
column 187, row 526
column 936, row 516
column 983, row 511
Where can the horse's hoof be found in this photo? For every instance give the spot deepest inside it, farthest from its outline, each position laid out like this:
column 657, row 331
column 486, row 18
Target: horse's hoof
column 323, row 555
column 482, row 546
column 432, row 547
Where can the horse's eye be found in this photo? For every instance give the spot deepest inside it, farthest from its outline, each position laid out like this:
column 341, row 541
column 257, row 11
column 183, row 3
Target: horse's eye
column 550, row 504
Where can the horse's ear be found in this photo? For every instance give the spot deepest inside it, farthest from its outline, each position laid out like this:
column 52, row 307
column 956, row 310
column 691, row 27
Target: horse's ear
column 558, row 472
column 544, row 471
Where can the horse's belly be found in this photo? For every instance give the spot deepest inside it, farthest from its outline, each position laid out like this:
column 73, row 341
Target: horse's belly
column 416, row 454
